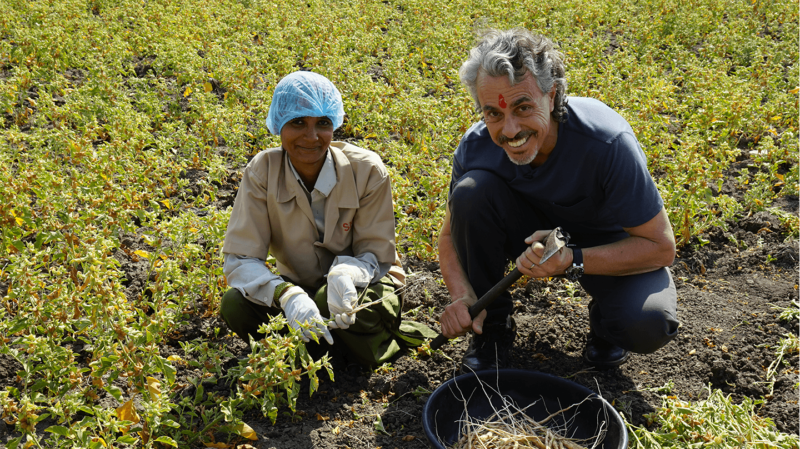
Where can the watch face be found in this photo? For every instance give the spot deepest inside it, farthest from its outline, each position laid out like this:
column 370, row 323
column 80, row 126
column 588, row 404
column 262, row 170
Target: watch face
column 574, row 273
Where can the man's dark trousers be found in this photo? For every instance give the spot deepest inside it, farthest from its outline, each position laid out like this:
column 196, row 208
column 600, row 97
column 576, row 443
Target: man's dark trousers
column 489, row 224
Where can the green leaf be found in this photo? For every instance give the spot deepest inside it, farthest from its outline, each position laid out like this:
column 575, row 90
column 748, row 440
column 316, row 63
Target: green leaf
column 60, row 430
column 379, row 425
column 169, row 371
column 114, row 391
column 198, row 394
column 227, row 408
column 13, row 443
column 18, row 326
column 167, row 440
column 171, row 423
column 127, row 439
column 41, row 383
column 85, row 409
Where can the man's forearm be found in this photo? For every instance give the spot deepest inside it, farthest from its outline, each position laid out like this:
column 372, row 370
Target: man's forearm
column 650, row 246
column 454, row 276
column 633, row 255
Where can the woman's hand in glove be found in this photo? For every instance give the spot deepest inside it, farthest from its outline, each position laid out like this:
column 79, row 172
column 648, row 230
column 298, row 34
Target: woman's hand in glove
column 299, row 308
column 342, row 298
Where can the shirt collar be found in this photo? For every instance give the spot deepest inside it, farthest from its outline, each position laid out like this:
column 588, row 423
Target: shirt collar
column 326, row 179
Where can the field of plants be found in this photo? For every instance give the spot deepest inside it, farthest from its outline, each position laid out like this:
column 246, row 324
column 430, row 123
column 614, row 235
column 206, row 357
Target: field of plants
column 125, row 125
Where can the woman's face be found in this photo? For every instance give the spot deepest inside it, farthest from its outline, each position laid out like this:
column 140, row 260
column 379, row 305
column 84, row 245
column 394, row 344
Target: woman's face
column 306, row 139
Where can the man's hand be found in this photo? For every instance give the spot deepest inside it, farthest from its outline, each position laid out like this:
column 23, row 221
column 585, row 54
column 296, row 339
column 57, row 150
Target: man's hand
column 299, row 308
column 648, row 247
column 528, row 261
column 456, row 321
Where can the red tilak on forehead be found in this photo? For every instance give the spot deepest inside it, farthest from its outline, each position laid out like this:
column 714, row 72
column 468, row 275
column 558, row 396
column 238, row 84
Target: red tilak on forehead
column 502, row 101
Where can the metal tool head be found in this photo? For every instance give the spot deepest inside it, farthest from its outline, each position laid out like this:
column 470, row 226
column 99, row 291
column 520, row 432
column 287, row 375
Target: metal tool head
column 557, row 239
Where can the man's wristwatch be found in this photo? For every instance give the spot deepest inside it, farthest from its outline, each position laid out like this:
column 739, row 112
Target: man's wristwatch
column 574, row 272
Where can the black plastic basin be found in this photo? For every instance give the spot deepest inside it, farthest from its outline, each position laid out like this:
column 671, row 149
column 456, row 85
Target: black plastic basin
column 445, row 407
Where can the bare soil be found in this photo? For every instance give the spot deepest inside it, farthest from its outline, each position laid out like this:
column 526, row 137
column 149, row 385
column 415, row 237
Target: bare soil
column 730, row 291
column 729, row 296
column 731, row 286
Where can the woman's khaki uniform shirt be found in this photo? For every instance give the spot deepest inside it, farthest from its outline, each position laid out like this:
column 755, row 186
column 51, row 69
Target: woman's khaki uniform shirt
column 272, row 214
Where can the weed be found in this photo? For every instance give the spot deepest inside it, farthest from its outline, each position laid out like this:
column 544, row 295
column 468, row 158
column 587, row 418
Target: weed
column 385, row 368
column 121, row 121
column 270, row 376
column 790, row 313
column 714, row 422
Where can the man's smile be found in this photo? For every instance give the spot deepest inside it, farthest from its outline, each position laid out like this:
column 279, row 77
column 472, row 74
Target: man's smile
column 518, row 143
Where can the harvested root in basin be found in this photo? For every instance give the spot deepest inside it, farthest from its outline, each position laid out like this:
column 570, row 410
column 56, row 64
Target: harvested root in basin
column 510, row 427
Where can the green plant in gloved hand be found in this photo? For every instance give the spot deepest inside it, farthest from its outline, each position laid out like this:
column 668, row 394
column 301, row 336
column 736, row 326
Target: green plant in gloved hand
column 343, row 279
column 300, row 308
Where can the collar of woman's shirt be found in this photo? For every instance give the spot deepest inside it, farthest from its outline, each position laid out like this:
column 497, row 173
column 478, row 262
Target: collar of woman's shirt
column 325, row 183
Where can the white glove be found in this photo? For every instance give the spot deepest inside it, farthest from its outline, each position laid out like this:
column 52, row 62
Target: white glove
column 342, row 295
column 298, row 307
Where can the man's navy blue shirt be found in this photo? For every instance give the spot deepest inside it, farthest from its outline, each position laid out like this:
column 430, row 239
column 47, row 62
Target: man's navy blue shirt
column 593, row 183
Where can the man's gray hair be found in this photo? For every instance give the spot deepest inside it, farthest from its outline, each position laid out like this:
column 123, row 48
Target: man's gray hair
column 514, row 53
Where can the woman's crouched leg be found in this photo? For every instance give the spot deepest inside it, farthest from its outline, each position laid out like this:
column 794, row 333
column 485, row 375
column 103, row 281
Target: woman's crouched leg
column 371, row 340
column 243, row 316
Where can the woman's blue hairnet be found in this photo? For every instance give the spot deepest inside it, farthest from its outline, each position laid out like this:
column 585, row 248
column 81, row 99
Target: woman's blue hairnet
column 304, row 94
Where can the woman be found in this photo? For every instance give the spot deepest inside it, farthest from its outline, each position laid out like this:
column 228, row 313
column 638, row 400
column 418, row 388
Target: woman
column 323, row 209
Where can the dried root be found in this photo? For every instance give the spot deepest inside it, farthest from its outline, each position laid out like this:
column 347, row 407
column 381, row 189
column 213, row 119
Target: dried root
column 509, row 427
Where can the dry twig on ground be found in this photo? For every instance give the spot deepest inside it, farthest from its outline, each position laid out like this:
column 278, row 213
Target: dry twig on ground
column 510, row 427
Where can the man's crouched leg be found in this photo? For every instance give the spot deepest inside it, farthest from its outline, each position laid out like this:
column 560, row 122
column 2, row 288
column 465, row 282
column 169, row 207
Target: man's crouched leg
column 490, row 350
column 635, row 313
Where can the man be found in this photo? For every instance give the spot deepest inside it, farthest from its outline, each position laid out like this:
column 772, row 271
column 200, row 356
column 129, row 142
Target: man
column 536, row 162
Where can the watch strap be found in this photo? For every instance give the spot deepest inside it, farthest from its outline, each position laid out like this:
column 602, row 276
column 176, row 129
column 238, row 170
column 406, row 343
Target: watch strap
column 577, row 257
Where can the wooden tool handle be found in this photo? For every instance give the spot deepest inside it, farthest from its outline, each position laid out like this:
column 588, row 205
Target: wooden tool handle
column 485, row 300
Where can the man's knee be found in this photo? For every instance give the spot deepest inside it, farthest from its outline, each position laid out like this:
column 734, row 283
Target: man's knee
column 645, row 333
column 638, row 313
column 473, row 192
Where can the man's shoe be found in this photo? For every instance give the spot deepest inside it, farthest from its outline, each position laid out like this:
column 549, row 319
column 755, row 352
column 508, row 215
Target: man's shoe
column 603, row 354
column 490, row 349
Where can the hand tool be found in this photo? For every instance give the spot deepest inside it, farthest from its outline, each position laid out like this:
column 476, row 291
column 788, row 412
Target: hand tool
column 556, row 240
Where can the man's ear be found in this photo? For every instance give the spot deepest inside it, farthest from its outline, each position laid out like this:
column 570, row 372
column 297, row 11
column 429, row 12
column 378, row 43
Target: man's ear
column 552, row 96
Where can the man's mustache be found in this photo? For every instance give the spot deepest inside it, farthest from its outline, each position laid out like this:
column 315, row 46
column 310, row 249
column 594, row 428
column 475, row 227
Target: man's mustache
column 520, row 135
